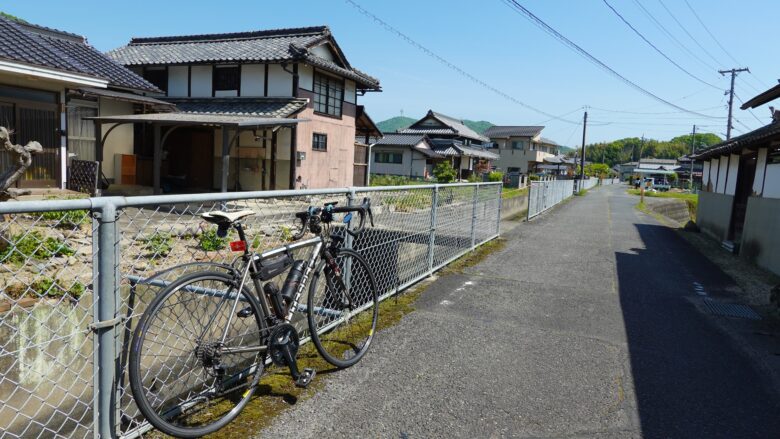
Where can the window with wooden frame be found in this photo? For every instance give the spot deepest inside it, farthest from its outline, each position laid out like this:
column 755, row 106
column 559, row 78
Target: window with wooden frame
column 328, row 94
column 226, row 78
column 319, row 142
column 389, row 157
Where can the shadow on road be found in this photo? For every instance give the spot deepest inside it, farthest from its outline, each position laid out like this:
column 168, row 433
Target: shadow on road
column 689, row 380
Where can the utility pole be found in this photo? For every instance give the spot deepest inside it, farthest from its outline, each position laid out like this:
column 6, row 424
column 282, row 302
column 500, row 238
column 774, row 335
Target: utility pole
column 582, row 159
column 693, row 151
column 733, row 73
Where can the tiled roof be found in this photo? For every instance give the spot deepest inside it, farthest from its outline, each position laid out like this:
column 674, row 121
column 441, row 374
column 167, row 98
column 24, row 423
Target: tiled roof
column 762, row 134
column 59, row 50
column 410, row 141
column 265, row 107
column 450, row 147
column 513, row 130
column 452, row 127
column 279, row 45
column 401, row 139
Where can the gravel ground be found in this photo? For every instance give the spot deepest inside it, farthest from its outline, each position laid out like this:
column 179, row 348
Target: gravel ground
column 586, row 324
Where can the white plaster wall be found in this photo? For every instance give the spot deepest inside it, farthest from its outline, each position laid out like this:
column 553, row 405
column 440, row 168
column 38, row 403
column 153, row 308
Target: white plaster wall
column 120, row 141
column 403, row 168
column 731, row 183
column 758, row 182
column 279, row 81
column 305, row 77
column 323, row 52
column 772, row 182
column 705, row 176
column 253, row 80
column 178, row 77
column 723, row 170
column 350, row 92
column 201, row 81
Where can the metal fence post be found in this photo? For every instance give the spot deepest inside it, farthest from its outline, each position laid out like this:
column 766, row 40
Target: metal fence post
column 474, row 217
column 500, row 205
column 104, row 320
column 432, row 239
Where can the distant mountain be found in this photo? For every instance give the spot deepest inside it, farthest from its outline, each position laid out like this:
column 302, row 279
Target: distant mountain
column 395, row 123
column 401, row 122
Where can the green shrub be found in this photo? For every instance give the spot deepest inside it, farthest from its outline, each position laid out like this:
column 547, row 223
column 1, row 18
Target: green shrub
column 160, row 244
column 533, row 177
column 393, row 180
column 474, row 178
column 444, row 172
column 209, row 241
column 496, row 176
column 24, row 246
column 69, row 218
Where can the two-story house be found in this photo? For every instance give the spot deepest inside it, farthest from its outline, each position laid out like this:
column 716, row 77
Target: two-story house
column 50, row 82
column 286, row 73
column 520, row 148
column 454, row 141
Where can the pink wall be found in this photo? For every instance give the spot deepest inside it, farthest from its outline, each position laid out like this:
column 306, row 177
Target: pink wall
column 333, row 168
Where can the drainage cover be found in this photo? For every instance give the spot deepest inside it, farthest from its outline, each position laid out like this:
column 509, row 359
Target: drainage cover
column 730, row 309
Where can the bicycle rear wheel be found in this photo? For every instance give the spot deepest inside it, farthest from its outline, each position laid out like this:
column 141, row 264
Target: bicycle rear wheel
column 185, row 380
column 343, row 313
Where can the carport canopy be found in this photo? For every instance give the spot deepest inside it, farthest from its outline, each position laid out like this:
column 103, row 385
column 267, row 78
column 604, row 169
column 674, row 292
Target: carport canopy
column 235, row 123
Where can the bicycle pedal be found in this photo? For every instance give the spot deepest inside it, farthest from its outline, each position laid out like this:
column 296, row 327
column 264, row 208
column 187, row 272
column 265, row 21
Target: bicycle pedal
column 304, row 379
column 246, row 312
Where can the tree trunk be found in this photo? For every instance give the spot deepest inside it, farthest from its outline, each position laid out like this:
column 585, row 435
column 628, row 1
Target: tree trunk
column 22, row 158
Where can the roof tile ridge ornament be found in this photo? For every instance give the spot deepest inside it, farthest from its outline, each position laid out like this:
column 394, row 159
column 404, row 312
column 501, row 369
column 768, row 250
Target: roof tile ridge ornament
column 229, row 36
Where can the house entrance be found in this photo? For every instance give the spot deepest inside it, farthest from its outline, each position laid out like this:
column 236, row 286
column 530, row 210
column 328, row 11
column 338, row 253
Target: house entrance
column 745, row 176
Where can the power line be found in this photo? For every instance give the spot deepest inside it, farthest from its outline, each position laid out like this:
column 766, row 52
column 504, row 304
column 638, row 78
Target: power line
column 686, row 31
column 656, row 48
column 749, row 110
column 672, row 37
column 547, row 28
column 450, row 65
column 709, row 32
column 660, row 112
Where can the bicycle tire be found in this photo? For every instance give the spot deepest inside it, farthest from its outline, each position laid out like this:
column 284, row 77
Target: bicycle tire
column 150, row 376
column 331, row 332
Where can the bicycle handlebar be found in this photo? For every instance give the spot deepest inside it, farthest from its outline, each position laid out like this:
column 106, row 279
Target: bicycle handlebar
column 315, row 213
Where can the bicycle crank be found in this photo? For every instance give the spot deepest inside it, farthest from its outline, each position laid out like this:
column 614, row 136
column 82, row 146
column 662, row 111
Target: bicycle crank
column 283, row 344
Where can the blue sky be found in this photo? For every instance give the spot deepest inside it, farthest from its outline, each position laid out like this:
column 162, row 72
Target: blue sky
column 500, row 47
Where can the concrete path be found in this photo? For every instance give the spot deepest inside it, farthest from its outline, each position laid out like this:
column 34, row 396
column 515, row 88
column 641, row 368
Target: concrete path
column 585, row 325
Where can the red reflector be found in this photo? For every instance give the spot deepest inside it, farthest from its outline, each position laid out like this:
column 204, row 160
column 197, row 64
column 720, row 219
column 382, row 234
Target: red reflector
column 238, row 246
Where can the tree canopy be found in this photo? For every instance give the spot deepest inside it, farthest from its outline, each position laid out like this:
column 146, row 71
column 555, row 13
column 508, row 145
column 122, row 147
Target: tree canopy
column 633, row 148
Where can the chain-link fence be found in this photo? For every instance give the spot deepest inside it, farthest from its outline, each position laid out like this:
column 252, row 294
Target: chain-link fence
column 77, row 274
column 543, row 195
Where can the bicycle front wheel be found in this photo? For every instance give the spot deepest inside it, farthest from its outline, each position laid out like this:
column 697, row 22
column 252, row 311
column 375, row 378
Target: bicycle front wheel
column 343, row 309
column 196, row 355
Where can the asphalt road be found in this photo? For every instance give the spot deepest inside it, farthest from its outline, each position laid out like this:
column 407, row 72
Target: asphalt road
column 584, row 325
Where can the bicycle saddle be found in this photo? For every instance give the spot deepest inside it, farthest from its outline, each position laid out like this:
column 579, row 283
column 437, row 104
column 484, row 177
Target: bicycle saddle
column 218, row 216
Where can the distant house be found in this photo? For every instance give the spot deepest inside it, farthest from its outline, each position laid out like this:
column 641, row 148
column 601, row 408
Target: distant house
column 297, row 74
column 408, row 155
column 558, row 165
column 520, row 148
column 740, row 199
column 625, row 170
column 456, row 142
column 50, row 82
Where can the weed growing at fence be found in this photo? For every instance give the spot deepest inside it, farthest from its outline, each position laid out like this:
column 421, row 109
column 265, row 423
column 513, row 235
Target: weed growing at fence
column 513, row 193
column 67, row 218
column 582, row 192
column 33, row 245
column 209, row 241
column 159, row 245
column 394, row 180
column 45, row 287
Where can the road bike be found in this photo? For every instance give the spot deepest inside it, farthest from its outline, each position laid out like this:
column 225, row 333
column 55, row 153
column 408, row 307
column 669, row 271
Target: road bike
column 199, row 349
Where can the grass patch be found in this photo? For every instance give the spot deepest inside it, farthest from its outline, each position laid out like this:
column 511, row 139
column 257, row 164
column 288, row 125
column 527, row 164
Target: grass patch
column 394, row 180
column 691, row 200
column 159, row 245
column 67, row 218
column 582, row 193
column 514, row 193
